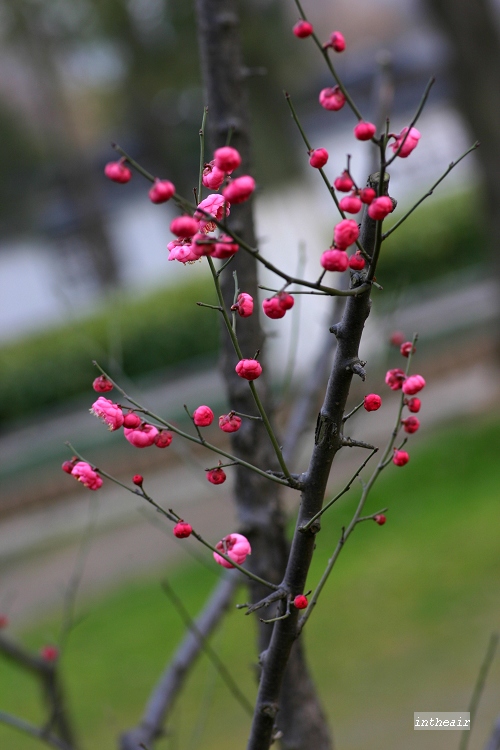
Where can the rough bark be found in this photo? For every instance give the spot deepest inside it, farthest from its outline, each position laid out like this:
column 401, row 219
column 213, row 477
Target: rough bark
column 258, row 501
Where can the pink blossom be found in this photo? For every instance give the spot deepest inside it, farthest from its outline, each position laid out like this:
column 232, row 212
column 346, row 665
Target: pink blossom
column 84, row 473
column 303, row 29
column 213, row 177
column 372, row 402
column 413, row 385
column 410, row 143
column 117, row 171
column 109, row 412
column 272, row 308
column 367, row 195
column 344, row 183
column 202, row 245
column 240, row 189
column 162, row 191
column 141, row 437
column 364, row 131
column 203, row 416
column 225, row 247
column 184, row 226
column 400, row 458
column 334, row 260
column 351, row 204
column 410, row 424
column 236, row 547
column 395, row 378
column 379, row 208
column 227, row 159
column 332, row 98
column 213, row 205
column 243, row 305
column 345, row 233
column 318, row 157
column 216, row 476
column 102, row 384
column 163, row 439
column 249, row 369
column 230, row 422
column 184, row 251
column 357, row 262
column 337, row 41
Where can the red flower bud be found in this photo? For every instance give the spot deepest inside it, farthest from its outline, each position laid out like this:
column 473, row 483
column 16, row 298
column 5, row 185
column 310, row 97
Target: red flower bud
column 318, row 157
column 138, row 479
column 182, row 530
column 303, row 29
column 364, row 131
column 380, row 519
column 400, row 458
column 300, row 601
column 162, row 191
column 102, row 384
column 406, row 348
column 414, row 405
column 372, row 402
column 216, row 476
column 117, row 171
column 410, row 424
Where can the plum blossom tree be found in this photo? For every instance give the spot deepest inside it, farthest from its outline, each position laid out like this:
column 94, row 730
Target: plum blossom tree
column 220, row 227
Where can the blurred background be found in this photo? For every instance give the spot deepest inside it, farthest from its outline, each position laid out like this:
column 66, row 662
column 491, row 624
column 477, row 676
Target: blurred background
column 84, row 275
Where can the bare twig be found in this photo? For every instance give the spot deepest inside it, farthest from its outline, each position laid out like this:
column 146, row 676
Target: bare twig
column 33, row 731
column 479, row 687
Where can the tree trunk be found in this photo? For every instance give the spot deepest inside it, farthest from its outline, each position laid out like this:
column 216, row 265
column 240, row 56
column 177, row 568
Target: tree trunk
column 258, row 501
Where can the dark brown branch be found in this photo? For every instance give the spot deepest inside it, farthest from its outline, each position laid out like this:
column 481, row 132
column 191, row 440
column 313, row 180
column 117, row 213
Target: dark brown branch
column 328, row 439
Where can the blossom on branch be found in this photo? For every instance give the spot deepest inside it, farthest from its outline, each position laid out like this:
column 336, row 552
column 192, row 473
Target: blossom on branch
column 235, row 546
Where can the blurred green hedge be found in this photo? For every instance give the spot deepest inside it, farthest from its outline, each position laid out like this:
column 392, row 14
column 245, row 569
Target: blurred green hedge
column 134, row 336
column 441, row 236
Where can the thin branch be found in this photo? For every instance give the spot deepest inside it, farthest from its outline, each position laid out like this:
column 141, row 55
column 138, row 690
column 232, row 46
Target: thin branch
column 172, row 516
column 332, row 70
column 339, row 495
column 430, row 191
column 202, row 153
column 219, row 665
column 417, row 114
column 346, row 532
column 479, row 687
column 33, row 731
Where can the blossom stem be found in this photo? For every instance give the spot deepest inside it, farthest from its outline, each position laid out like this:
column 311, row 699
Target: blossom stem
column 430, row 191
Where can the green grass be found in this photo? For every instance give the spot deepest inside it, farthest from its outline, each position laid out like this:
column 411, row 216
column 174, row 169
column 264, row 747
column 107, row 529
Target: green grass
column 402, row 626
